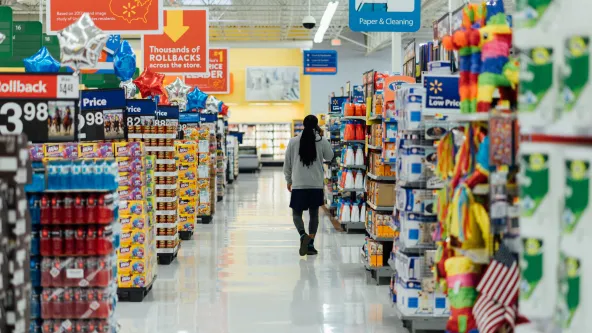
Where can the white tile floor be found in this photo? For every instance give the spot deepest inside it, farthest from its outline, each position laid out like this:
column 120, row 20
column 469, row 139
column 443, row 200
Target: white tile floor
column 243, row 274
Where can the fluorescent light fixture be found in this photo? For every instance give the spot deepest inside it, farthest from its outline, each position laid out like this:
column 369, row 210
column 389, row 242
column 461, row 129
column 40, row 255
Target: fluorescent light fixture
column 326, row 21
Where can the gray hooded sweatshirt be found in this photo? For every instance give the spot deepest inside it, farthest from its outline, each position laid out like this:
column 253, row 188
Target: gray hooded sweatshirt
column 301, row 176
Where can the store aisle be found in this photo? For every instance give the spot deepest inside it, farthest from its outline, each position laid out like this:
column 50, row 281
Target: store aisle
column 243, row 274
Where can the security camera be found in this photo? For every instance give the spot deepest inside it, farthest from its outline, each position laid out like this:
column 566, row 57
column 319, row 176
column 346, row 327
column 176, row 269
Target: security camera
column 309, row 22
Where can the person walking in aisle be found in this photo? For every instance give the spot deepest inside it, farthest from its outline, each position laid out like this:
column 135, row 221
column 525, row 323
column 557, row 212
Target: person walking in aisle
column 303, row 168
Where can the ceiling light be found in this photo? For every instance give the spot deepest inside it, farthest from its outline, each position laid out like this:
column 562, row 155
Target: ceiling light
column 326, row 21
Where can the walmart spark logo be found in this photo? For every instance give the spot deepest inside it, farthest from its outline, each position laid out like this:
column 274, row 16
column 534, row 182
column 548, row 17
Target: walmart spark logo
column 436, row 87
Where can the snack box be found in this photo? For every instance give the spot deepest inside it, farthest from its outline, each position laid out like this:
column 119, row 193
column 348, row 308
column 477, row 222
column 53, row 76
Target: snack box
column 130, row 164
column 132, row 251
column 150, row 162
column 133, row 179
column 187, row 205
column 203, row 184
column 204, row 158
column 133, row 237
column 131, row 192
column 186, row 222
column 131, row 280
column 204, row 209
column 132, row 207
column 128, row 149
column 133, row 266
column 187, row 188
column 187, row 171
column 134, row 222
column 187, row 152
column 60, row 150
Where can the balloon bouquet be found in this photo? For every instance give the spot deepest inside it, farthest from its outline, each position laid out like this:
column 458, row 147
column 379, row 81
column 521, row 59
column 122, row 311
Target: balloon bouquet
column 81, row 45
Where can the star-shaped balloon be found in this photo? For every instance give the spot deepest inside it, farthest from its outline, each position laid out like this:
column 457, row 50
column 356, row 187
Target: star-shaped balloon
column 129, row 87
column 196, row 99
column 213, row 104
column 81, row 43
column 124, row 61
column 177, row 91
column 150, row 83
column 2, row 37
column 224, row 110
column 41, row 62
column 163, row 100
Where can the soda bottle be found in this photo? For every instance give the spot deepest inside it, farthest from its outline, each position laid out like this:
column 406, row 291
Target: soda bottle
column 103, row 272
column 91, row 271
column 68, row 304
column 34, row 209
column 57, row 209
column 45, row 242
column 68, row 210
column 104, row 240
column 91, row 209
column 91, row 240
column 57, row 276
column 105, row 209
column 57, row 301
column 79, row 209
column 103, row 326
column 35, row 266
column 45, row 210
column 46, row 306
column 46, row 278
column 80, row 302
column 47, row 326
column 57, row 241
column 90, row 303
column 78, row 275
column 69, row 241
column 80, row 241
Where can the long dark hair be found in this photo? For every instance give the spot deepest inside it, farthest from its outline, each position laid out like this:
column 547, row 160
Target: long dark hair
column 308, row 148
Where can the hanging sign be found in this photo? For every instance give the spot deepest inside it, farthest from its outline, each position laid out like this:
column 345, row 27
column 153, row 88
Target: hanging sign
column 320, row 62
column 217, row 79
column 167, row 115
column 337, row 104
column 139, row 114
column 183, row 47
column 442, row 95
column 42, row 106
column 101, row 115
column 385, row 15
column 112, row 16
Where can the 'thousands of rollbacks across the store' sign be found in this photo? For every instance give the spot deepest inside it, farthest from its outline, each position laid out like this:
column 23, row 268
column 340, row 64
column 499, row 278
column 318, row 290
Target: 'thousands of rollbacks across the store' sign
column 101, row 115
column 385, row 15
column 320, row 62
column 337, row 104
column 183, row 47
column 42, row 106
column 442, row 93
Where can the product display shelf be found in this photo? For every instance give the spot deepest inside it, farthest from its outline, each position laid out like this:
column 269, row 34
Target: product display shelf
column 376, row 272
column 297, row 127
column 271, row 139
column 75, row 255
column 374, row 147
column 380, row 208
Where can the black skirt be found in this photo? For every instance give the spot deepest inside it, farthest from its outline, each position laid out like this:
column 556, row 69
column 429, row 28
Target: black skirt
column 303, row 199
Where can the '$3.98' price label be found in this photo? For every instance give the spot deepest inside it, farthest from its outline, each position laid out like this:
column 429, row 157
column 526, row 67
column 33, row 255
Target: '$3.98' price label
column 40, row 120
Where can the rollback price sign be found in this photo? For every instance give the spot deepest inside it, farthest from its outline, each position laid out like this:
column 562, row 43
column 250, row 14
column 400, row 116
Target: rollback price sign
column 101, row 115
column 42, row 106
column 139, row 114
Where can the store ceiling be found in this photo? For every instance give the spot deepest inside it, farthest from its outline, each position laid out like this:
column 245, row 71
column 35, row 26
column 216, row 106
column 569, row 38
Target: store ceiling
column 281, row 20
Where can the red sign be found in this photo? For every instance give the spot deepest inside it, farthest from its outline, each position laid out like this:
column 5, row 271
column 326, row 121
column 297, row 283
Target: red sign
column 23, row 86
column 217, row 79
column 112, row 16
column 183, row 48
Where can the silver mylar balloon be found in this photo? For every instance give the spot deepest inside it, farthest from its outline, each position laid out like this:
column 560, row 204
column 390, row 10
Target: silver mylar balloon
column 129, row 87
column 177, row 91
column 81, row 43
column 212, row 104
column 2, row 37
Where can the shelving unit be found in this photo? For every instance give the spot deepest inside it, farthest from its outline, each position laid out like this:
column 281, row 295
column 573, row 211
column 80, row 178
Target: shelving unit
column 271, row 139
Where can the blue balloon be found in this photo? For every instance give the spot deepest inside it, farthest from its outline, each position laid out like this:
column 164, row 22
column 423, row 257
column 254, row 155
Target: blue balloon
column 196, row 99
column 41, row 62
column 124, row 61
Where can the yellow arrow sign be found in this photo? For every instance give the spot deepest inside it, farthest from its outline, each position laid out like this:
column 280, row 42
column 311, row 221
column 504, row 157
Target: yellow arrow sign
column 175, row 28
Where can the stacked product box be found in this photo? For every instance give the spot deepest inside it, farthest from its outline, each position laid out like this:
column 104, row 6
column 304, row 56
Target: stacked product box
column 187, row 165
column 15, row 232
column 206, row 173
column 136, row 260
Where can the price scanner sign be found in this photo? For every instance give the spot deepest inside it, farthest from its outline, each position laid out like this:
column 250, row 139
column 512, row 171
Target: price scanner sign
column 42, row 106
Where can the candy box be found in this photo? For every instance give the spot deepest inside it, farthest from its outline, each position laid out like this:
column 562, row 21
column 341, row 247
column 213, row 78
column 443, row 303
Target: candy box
column 150, row 203
column 133, row 179
column 132, row 207
column 130, row 164
column 36, row 152
column 187, row 188
column 133, row 222
column 186, row 222
column 131, row 280
column 131, row 251
column 203, row 184
column 186, row 205
column 187, row 171
column 61, row 150
column 133, row 237
column 203, row 133
column 186, row 153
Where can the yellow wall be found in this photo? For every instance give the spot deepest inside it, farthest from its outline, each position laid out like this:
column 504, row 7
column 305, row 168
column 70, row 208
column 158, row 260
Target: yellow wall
column 242, row 111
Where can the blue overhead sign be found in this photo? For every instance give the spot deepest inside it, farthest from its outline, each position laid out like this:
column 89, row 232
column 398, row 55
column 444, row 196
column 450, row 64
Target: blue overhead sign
column 385, row 15
column 320, row 62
